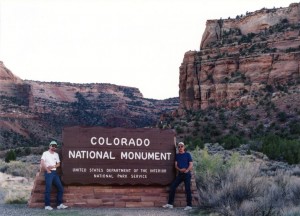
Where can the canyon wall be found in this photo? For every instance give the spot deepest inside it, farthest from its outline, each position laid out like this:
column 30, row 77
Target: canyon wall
column 241, row 57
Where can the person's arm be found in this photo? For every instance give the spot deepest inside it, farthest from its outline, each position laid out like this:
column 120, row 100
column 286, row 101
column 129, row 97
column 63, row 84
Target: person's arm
column 190, row 167
column 44, row 167
column 57, row 165
column 58, row 161
column 180, row 170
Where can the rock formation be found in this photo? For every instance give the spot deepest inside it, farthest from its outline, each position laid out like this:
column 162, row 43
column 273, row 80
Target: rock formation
column 7, row 76
column 32, row 112
column 240, row 57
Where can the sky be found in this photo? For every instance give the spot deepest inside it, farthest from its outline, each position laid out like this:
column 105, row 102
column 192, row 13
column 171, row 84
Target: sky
column 135, row 43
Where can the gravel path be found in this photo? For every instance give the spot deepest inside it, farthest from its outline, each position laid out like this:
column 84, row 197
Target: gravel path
column 23, row 210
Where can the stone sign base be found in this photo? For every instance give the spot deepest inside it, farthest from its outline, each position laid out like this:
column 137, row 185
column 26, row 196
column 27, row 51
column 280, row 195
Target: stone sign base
column 111, row 196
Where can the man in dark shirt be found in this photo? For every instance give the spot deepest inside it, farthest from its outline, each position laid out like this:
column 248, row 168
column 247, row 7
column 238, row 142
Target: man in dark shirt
column 184, row 165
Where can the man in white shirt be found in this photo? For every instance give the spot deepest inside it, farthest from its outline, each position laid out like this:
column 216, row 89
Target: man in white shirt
column 49, row 162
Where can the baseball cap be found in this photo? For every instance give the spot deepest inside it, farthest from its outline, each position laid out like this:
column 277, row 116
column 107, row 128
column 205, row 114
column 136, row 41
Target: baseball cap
column 53, row 143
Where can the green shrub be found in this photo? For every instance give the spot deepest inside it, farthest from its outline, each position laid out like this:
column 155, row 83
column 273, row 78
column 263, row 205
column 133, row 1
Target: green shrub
column 271, row 146
column 27, row 151
column 207, row 166
column 18, row 152
column 277, row 148
column 195, row 132
column 269, row 88
column 179, row 130
column 198, row 143
column 231, row 141
column 291, row 151
column 194, row 142
column 10, row 156
column 294, row 127
column 282, row 116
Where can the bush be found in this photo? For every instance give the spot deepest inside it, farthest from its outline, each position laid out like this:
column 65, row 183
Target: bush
column 282, row 116
column 194, row 142
column 10, row 156
column 206, row 166
column 18, row 168
column 269, row 88
column 271, row 146
column 197, row 142
column 231, row 141
column 277, row 148
column 179, row 130
column 291, row 151
column 27, row 151
column 237, row 187
column 294, row 127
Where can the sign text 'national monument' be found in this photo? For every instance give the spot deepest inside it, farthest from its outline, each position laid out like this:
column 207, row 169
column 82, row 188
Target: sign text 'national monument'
column 118, row 156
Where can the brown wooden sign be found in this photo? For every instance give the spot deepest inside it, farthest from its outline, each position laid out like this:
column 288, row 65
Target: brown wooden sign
column 110, row 156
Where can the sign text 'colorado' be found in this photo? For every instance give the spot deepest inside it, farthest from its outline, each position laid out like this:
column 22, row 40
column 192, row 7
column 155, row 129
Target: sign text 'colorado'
column 110, row 156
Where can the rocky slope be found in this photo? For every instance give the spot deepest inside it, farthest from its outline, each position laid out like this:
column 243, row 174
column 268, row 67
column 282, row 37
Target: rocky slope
column 241, row 58
column 243, row 85
column 32, row 112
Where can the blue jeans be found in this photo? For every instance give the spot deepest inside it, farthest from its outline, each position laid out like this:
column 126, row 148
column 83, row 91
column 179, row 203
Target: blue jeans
column 53, row 178
column 186, row 177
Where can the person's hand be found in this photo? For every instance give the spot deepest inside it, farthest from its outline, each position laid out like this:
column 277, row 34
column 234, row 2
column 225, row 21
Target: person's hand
column 49, row 168
column 182, row 170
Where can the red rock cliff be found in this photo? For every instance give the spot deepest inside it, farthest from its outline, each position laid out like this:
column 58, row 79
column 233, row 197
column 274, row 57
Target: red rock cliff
column 239, row 57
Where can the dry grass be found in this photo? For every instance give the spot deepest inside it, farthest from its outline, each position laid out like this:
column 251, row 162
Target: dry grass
column 14, row 189
column 16, row 181
column 18, row 168
column 238, row 188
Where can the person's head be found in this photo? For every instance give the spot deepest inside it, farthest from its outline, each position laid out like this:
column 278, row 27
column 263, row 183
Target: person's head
column 53, row 145
column 180, row 147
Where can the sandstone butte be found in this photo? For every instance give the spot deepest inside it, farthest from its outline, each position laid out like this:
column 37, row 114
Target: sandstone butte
column 239, row 57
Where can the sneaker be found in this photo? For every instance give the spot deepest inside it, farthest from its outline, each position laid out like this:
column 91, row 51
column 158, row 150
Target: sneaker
column 168, row 206
column 188, row 208
column 62, row 206
column 48, row 208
